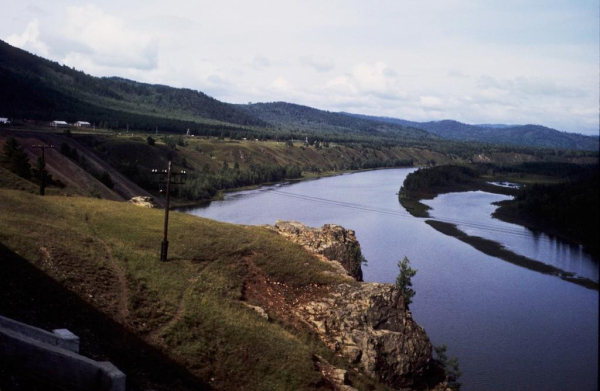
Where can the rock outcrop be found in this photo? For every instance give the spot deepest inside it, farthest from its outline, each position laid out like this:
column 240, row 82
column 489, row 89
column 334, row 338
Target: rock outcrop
column 332, row 241
column 146, row 202
column 369, row 324
column 336, row 377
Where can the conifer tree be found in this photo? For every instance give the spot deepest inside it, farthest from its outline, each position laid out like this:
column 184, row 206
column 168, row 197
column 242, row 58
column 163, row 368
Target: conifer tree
column 404, row 280
column 16, row 159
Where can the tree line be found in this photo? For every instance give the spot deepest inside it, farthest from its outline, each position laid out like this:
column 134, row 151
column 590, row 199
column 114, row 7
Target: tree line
column 570, row 208
column 206, row 184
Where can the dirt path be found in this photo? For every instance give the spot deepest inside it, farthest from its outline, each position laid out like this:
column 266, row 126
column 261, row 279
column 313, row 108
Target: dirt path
column 154, row 336
column 123, row 301
column 123, row 291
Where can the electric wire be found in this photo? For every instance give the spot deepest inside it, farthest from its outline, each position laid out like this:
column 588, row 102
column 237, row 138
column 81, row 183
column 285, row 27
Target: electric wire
column 457, row 221
column 388, row 212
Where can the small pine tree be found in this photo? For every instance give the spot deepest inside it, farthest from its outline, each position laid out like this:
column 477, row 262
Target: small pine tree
column 404, row 280
column 450, row 366
column 16, row 158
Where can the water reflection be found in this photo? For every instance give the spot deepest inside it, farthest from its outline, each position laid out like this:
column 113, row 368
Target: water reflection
column 532, row 244
column 512, row 328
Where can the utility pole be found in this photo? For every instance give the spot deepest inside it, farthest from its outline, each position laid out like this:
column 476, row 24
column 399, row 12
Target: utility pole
column 164, row 247
column 43, row 167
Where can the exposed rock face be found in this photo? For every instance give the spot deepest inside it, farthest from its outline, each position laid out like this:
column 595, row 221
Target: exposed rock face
column 259, row 310
column 336, row 377
column 369, row 324
column 332, row 241
column 146, row 202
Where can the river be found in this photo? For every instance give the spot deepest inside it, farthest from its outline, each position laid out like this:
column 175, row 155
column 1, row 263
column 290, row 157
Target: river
column 510, row 327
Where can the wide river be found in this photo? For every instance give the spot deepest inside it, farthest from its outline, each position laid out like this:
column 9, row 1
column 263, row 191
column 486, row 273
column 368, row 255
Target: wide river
column 511, row 328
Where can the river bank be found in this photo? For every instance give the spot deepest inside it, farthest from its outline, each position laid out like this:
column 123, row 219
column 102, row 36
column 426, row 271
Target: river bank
column 495, row 249
column 177, row 203
column 488, row 312
column 558, row 200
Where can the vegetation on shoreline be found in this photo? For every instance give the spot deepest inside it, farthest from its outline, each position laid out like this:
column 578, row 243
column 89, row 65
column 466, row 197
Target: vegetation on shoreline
column 495, row 249
column 569, row 209
column 214, row 165
column 559, row 198
column 429, row 182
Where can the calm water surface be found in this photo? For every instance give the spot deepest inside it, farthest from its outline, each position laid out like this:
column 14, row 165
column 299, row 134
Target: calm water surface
column 512, row 328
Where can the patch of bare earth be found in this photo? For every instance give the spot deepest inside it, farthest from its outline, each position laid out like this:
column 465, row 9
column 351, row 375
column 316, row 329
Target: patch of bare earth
column 279, row 300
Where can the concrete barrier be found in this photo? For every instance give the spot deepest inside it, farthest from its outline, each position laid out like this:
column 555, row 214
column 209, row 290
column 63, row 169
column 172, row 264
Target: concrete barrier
column 62, row 338
column 50, row 356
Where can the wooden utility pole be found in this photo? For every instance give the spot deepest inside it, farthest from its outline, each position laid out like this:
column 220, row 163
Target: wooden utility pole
column 43, row 167
column 164, row 247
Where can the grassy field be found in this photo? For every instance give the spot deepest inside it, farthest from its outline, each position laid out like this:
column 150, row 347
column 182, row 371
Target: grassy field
column 199, row 151
column 191, row 308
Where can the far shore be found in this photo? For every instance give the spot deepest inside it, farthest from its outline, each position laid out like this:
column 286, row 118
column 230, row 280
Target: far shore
column 495, row 249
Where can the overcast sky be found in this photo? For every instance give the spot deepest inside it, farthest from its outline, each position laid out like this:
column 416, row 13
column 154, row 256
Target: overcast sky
column 508, row 61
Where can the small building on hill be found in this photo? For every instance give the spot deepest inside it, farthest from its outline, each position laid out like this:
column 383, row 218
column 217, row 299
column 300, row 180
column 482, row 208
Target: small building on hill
column 59, row 124
column 83, row 124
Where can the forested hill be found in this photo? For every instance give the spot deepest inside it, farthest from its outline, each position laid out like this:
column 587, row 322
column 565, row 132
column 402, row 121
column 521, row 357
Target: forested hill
column 521, row 135
column 288, row 116
column 35, row 88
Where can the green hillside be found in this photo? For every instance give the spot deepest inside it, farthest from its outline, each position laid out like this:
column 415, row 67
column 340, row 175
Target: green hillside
column 36, row 88
column 191, row 308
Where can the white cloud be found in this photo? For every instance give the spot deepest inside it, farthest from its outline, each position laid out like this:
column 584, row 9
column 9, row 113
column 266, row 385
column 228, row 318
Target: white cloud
column 430, row 101
column 341, row 55
column 30, row 39
column 376, row 80
column 261, row 62
column 318, row 64
column 281, row 84
column 456, row 73
column 111, row 43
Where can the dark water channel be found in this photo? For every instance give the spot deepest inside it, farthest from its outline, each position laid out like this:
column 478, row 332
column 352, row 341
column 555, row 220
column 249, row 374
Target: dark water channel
column 512, row 328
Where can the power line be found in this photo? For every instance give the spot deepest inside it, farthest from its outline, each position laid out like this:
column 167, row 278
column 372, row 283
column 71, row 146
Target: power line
column 403, row 215
column 466, row 223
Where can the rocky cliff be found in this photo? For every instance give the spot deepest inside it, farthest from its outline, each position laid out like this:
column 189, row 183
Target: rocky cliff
column 367, row 323
column 334, row 242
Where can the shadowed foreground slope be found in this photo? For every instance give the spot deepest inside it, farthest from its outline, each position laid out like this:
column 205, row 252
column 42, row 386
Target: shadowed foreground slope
column 92, row 266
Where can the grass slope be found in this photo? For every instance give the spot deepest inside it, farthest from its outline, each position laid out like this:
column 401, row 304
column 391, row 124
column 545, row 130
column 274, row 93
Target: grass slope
column 8, row 180
column 190, row 308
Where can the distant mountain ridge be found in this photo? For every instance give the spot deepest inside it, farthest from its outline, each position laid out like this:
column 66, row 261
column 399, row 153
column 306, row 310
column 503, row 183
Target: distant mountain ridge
column 521, row 135
column 290, row 116
column 35, row 88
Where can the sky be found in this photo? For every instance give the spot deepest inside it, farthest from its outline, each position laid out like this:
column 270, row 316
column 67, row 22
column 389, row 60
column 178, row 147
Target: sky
column 508, row 61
